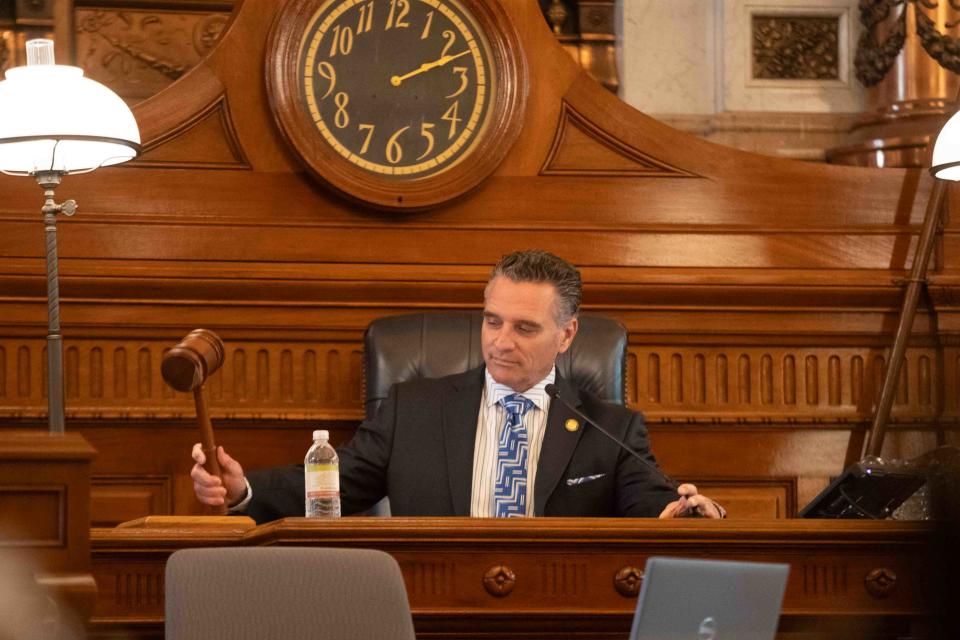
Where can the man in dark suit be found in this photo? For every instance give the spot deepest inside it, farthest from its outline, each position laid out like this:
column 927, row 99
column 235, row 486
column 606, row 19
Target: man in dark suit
column 491, row 441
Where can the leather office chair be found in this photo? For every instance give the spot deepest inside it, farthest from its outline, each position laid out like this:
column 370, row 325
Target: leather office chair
column 285, row 592
column 432, row 345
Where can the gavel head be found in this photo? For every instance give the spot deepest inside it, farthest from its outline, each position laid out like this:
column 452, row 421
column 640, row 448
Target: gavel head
column 190, row 363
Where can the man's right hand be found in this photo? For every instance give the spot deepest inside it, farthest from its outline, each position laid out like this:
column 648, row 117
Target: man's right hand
column 209, row 489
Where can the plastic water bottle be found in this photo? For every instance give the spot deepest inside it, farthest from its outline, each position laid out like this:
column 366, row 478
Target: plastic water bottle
column 321, row 469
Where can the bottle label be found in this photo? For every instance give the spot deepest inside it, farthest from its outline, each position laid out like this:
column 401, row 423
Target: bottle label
column 322, row 480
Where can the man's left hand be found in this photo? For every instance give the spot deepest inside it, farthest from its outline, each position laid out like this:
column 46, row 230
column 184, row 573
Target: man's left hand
column 691, row 502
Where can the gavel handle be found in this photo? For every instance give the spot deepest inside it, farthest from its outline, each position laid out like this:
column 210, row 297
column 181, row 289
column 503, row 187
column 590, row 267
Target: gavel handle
column 212, row 465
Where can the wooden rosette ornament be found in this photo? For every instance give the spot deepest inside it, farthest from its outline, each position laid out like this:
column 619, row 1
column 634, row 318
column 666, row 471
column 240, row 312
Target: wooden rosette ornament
column 186, row 367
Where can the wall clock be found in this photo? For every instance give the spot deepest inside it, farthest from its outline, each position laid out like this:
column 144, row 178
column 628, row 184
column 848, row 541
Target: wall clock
column 400, row 104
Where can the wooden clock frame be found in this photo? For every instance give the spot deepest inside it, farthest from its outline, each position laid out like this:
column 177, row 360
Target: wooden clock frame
column 503, row 126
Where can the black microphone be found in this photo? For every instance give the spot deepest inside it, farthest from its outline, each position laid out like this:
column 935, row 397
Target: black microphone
column 554, row 393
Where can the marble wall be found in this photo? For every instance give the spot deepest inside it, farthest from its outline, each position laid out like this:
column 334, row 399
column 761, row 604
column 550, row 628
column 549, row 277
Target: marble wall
column 692, row 63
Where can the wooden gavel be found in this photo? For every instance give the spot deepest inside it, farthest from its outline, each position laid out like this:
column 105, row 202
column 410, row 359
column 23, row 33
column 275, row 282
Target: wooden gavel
column 185, row 368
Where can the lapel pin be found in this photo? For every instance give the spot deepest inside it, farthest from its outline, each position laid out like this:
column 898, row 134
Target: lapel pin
column 571, row 425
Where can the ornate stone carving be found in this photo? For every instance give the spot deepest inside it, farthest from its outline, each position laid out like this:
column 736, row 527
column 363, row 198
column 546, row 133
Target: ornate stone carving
column 139, row 52
column 627, row 581
column 499, row 581
column 874, row 57
column 795, row 47
column 942, row 48
column 880, row 582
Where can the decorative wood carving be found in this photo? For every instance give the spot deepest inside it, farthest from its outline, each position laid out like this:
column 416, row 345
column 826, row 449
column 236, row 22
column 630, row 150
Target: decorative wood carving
column 759, row 294
column 210, row 133
column 323, row 379
column 628, row 581
column 795, row 47
column 582, row 148
column 880, row 582
column 563, row 579
column 499, row 580
column 825, row 580
column 138, row 51
column 604, row 545
column 430, row 578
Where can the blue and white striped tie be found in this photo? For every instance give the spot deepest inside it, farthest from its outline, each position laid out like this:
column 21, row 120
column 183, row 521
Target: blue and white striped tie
column 510, row 493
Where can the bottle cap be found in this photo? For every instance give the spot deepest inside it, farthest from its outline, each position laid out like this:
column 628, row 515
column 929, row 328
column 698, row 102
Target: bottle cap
column 321, row 434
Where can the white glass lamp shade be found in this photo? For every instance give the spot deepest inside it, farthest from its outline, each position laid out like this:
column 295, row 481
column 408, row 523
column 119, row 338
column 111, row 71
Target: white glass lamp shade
column 946, row 150
column 54, row 119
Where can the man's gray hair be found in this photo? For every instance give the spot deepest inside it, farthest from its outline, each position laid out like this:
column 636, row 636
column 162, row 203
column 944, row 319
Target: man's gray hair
column 541, row 266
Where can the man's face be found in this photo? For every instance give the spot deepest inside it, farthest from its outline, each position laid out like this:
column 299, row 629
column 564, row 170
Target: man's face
column 520, row 336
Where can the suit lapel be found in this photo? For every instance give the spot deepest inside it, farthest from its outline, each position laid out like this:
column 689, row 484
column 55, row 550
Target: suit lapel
column 558, row 445
column 460, row 411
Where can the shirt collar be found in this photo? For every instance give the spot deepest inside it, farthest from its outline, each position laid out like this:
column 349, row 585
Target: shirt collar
column 537, row 394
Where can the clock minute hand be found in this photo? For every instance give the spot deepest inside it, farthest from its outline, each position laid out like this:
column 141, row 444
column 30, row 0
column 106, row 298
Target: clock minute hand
column 426, row 66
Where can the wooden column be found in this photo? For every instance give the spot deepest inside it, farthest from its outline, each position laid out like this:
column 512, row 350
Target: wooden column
column 910, row 101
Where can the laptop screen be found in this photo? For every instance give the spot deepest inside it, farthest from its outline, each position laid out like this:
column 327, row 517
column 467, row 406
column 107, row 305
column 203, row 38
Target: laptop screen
column 709, row 600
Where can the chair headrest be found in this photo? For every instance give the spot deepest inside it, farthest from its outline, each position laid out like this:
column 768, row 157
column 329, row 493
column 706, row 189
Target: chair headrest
column 433, row 345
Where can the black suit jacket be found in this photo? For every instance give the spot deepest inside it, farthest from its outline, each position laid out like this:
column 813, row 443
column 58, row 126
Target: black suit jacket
column 418, row 450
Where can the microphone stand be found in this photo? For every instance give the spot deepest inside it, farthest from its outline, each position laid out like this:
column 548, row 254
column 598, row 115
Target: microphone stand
column 554, row 393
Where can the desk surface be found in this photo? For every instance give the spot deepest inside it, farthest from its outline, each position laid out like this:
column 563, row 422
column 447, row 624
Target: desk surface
column 564, row 577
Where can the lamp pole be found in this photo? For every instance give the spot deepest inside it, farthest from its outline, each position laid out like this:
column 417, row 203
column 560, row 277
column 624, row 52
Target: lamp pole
column 47, row 139
column 908, row 310
column 48, row 181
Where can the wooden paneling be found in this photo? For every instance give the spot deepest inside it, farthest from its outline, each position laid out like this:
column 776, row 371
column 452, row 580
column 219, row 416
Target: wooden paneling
column 118, row 498
column 45, row 531
column 566, row 570
column 760, row 294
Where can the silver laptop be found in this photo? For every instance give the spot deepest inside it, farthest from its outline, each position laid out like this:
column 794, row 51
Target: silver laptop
column 709, row 600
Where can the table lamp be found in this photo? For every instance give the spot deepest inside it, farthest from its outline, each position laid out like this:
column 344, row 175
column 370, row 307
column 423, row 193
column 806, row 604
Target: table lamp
column 54, row 122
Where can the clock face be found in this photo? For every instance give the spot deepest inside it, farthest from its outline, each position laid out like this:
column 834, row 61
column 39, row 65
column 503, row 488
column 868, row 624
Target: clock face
column 399, row 88
column 398, row 104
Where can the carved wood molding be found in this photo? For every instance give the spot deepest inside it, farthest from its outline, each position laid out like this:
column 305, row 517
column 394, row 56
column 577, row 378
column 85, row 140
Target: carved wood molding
column 212, row 135
column 582, row 148
column 293, row 380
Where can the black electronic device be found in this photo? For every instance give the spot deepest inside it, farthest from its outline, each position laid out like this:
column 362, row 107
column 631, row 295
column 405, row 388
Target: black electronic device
column 864, row 491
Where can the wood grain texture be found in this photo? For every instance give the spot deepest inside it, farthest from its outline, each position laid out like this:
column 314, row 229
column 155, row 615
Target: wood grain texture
column 563, row 567
column 760, row 294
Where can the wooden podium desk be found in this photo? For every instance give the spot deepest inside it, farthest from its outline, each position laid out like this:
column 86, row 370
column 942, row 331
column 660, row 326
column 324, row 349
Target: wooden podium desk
column 559, row 577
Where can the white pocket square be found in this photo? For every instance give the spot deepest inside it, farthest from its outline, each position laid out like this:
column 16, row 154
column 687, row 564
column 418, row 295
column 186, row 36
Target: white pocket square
column 575, row 481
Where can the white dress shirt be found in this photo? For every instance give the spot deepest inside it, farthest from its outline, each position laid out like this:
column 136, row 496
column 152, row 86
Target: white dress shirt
column 490, row 423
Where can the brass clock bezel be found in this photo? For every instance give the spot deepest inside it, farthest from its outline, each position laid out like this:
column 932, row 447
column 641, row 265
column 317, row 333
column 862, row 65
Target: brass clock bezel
column 487, row 150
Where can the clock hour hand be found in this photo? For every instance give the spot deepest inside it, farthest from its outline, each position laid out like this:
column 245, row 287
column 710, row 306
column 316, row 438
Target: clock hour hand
column 426, row 66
